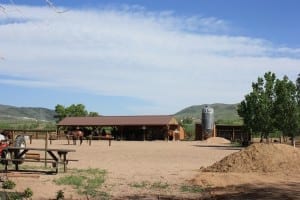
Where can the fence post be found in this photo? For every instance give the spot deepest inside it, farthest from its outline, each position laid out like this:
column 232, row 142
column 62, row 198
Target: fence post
column 46, row 147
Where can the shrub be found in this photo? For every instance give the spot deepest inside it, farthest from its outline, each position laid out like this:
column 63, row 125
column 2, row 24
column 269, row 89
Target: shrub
column 8, row 184
column 192, row 188
column 159, row 185
column 27, row 193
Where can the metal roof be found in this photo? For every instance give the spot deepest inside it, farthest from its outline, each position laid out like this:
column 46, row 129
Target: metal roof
column 119, row 120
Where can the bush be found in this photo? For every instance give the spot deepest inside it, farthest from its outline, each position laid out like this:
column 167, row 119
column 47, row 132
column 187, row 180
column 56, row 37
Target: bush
column 191, row 188
column 27, row 193
column 8, row 184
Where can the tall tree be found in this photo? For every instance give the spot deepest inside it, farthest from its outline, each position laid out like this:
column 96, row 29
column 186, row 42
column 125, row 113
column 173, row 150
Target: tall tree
column 73, row 110
column 298, row 89
column 286, row 110
column 257, row 107
column 60, row 112
column 77, row 110
column 93, row 114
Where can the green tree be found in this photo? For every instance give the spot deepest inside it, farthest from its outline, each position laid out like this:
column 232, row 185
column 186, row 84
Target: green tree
column 74, row 110
column 77, row 110
column 286, row 109
column 93, row 114
column 257, row 107
column 298, row 91
column 60, row 112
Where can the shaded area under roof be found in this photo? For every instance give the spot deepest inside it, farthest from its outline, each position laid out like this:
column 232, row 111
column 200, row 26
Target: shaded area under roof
column 119, row 120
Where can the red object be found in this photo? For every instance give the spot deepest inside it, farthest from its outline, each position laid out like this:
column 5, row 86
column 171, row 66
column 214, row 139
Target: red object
column 3, row 145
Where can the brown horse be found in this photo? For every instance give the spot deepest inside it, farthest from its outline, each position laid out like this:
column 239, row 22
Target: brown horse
column 76, row 134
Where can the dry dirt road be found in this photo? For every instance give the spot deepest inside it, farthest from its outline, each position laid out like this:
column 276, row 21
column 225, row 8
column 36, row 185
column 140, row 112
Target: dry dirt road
column 128, row 163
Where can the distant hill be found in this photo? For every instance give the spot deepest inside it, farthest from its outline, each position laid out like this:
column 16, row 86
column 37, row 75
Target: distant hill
column 224, row 113
column 33, row 113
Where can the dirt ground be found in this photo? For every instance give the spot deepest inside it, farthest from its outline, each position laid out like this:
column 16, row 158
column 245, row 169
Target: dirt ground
column 173, row 163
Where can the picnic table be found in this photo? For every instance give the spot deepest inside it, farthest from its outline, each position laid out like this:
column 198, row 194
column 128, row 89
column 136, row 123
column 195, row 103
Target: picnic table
column 57, row 156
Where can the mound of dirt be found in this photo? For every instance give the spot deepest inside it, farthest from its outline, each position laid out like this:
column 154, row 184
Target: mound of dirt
column 217, row 140
column 260, row 158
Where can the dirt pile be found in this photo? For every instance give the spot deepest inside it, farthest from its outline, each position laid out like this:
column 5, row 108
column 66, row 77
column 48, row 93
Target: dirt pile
column 217, row 140
column 260, row 158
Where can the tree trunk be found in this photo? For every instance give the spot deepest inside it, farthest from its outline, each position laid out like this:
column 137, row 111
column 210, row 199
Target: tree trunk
column 267, row 138
column 280, row 139
column 293, row 141
column 261, row 137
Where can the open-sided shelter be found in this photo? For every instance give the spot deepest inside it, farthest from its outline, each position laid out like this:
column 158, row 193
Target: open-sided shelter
column 145, row 127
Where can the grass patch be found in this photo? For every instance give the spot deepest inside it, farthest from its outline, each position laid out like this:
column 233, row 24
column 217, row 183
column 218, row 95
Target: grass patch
column 192, row 188
column 73, row 180
column 148, row 185
column 235, row 144
column 159, row 185
column 87, row 182
column 143, row 184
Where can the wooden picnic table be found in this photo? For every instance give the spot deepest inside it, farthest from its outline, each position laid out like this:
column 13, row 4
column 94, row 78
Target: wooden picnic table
column 58, row 156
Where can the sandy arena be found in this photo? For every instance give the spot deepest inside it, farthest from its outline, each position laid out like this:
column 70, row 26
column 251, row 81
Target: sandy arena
column 129, row 162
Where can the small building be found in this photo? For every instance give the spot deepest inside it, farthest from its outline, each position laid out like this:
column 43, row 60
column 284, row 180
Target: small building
column 230, row 132
column 145, row 127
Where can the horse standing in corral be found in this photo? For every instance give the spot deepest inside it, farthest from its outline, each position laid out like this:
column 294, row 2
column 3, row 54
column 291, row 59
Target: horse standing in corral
column 76, row 134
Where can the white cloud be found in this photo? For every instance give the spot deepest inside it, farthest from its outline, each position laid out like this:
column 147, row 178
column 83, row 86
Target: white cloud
column 168, row 60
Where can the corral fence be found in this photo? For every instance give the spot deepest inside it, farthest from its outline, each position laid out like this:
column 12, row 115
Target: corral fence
column 35, row 134
column 49, row 135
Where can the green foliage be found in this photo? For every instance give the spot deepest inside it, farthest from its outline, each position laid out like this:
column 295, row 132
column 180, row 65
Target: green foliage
column 8, row 123
column 73, row 110
column 286, row 109
column 226, row 112
column 257, row 108
column 73, row 180
column 272, row 105
column 186, row 120
column 26, row 113
column 14, row 196
column 8, row 184
column 28, row 193
column 159, row 185
column 93, row 114
column 189, row 131
column 86, row 182
column 192, row 188
column 143, row 184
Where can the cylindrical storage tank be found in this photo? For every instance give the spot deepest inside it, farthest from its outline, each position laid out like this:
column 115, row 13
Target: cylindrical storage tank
column 207, row 120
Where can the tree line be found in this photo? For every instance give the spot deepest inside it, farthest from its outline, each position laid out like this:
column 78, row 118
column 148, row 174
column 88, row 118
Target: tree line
column 74, row 110
column 272, row 105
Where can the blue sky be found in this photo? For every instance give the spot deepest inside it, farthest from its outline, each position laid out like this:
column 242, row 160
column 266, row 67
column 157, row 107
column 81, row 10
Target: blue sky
column 143, row 57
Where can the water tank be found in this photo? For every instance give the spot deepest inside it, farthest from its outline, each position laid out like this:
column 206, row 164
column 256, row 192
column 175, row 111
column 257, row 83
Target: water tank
column 207, row 120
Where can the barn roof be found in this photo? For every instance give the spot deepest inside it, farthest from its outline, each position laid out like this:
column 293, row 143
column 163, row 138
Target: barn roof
column 119, row 120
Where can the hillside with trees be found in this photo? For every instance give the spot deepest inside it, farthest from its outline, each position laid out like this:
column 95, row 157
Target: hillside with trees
column 12, row 117
column 224, row 113
column 33, row 113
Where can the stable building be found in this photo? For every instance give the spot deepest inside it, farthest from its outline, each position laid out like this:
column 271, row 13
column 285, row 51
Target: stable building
column 145, row 127
column 230, row 132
